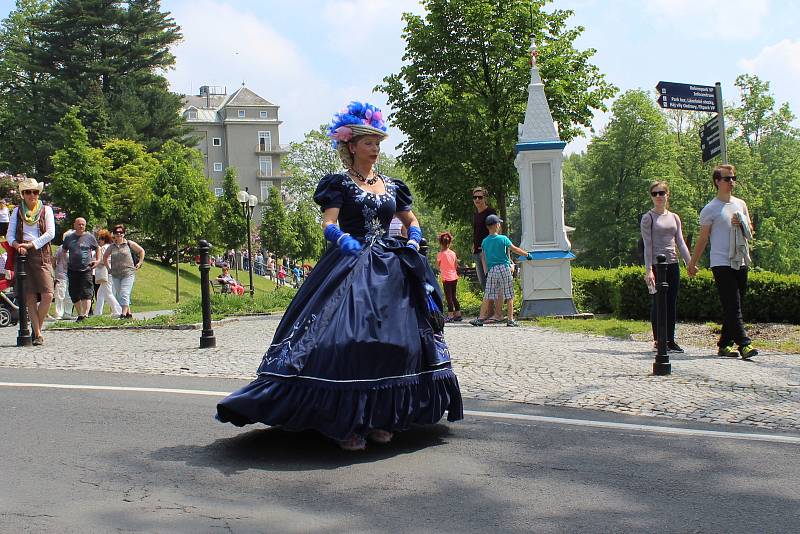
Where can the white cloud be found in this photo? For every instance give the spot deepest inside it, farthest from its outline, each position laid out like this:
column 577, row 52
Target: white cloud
column 780, row 65
column 225, row 44
column 710, row 19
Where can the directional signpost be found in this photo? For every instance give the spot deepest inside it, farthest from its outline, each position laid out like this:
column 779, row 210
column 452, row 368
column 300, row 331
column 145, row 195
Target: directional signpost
column 710, row 139
column 692, row 97
column 686, row 96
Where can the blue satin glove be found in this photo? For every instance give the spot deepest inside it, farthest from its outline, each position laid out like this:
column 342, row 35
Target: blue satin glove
column 347, row 243
column 414, row 237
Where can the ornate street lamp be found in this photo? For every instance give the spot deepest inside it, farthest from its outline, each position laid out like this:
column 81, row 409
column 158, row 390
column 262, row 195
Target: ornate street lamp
column 248, row 203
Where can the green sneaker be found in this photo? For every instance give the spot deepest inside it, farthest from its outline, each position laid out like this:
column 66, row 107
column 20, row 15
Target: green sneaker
column 747, row 352
column 728, row 352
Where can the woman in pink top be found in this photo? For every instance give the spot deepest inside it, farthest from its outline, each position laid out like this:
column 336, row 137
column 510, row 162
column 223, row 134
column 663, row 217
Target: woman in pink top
column 662, row 233
column 448, row 267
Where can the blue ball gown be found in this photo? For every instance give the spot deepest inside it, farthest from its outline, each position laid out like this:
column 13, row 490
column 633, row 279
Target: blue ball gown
column 357, row 349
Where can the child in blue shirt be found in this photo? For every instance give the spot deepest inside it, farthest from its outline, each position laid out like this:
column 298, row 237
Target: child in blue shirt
column 497, row 265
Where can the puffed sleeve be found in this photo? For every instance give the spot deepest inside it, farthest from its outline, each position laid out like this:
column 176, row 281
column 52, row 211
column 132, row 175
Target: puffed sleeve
column 330, row 193
column 402, row 194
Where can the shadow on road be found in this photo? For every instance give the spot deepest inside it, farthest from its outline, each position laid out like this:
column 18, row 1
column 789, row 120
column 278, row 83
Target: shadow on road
column 272, row 449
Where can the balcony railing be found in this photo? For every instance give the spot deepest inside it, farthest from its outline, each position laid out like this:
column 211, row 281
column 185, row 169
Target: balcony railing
column 273, row 174
column 266, row 149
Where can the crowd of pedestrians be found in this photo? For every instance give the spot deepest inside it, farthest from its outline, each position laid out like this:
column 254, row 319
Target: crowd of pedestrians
column 86, row 272
column 93, row 269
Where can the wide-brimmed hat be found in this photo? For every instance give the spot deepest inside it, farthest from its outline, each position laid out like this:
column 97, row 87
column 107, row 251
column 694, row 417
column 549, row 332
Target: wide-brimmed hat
column 29, row 184
column 355, row 120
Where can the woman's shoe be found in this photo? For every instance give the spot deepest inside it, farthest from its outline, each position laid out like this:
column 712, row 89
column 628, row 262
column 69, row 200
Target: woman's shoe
column 457, row 319
column 674, row 347
column 129, row 315
column 37, row 340
column 355, row 443
column 380, row 436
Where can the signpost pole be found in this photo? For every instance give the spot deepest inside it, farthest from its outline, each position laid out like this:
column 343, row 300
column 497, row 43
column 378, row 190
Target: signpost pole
column 723, row 143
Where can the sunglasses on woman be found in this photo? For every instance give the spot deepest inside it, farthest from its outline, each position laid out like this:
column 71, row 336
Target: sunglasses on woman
column 728, row 178
column 476, row 197
column 658, row 193
column 31, row 192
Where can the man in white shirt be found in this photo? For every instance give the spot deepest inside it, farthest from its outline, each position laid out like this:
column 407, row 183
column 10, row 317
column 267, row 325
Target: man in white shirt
column 717, row 221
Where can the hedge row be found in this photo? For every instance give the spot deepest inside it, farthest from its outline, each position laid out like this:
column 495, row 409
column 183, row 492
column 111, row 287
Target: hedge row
column 770, row 297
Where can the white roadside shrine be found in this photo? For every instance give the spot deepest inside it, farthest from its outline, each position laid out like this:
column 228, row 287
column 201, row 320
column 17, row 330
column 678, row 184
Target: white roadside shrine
column 547, row 279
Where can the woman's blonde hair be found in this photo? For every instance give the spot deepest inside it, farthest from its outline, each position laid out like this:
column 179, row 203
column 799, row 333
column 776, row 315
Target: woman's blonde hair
column 665, row 185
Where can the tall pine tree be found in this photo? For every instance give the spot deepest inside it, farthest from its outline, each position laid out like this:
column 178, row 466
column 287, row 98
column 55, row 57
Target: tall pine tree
column 106, row 56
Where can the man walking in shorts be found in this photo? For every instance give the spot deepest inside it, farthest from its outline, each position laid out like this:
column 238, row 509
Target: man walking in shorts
column 499, row 283
column 80, row 245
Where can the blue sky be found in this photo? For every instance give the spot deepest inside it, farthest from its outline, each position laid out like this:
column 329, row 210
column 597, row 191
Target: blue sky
column 312, row 56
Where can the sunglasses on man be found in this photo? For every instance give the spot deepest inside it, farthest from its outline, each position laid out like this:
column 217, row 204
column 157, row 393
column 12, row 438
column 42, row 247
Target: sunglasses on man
column 476, row 197
column 728, row 178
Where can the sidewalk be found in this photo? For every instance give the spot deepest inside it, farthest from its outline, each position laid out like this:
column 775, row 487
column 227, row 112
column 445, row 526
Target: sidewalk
column 526, row 364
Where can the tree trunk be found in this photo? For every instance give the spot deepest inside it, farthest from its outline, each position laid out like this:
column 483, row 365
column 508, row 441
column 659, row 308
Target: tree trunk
column 177, row 271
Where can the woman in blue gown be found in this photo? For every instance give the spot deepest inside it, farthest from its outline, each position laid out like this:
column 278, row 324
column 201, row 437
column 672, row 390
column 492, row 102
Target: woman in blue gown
column 359, row 353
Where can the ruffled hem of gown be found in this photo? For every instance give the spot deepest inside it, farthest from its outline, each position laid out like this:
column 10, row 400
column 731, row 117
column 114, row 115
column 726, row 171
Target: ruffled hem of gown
column 339, row 411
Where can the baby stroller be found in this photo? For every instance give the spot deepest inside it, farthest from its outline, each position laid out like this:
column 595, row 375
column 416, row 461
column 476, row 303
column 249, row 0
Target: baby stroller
column 9, row 310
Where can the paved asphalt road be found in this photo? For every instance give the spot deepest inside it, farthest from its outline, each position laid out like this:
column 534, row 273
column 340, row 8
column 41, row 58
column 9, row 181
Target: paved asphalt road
column 78, row 460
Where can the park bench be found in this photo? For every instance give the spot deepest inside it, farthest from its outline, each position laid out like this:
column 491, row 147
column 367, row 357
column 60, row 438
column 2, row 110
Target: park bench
column 218, row 287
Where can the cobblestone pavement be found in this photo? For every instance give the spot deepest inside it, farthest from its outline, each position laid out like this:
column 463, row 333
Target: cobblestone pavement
column 526, row 364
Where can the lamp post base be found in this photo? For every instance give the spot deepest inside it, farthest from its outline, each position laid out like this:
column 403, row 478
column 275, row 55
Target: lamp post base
column 662, row 369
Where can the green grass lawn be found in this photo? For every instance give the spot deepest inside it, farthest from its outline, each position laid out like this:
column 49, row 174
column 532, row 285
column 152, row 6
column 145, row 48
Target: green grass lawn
column 155, row 285
column 610, row 327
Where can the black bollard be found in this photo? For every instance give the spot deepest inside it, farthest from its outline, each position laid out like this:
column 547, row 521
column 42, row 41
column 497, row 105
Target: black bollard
column 661, row 367
column 207, row 339
column 24, row 336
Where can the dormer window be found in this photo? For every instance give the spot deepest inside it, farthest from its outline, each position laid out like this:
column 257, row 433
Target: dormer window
column 241, row 113
column 191, row 115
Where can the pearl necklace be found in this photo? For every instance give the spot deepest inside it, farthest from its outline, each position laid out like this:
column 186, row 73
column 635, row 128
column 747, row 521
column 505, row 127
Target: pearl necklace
column 368, row 181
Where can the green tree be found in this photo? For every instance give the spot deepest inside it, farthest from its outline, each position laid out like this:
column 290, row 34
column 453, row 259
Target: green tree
column 304, row 222
column 463, row 90
column 25, row 145
column 635, row 149
column 131, row 167
column 79, row 175
column 107, row 57
column 764, row 147
column 307, row 162
column 229, row 221
column 175, row 202
column 276, row 230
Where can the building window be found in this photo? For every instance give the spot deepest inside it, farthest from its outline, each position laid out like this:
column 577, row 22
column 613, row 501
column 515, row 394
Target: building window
column 216, row 141
column 264, row 141
column 265, row 187
column 217, row 167
column 218, row 191
column 265, row 166
column 262, row 114
column 191, row 115
column 241, row 113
